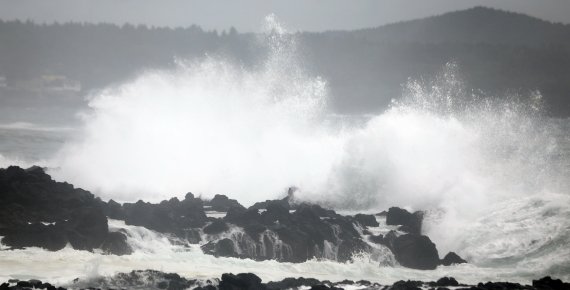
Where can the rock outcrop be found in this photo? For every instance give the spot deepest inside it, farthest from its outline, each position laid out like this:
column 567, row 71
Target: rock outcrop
column 309, row 232
column 151, row 279
column 36, row 211
column 411, row 223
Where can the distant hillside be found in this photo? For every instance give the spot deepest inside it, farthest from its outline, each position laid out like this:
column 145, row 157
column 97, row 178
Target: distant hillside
column 475, row 26
column 497, row 52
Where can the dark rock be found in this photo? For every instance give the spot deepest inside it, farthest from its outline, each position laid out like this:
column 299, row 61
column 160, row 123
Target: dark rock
column 35, row 283
column 49, row 237
column 547, row 283
column 406, row 285
column 221, row 248
column 116, row 244
column 193, row 236
column 25, row 284
column 366, row 220
column 89, row 229
column 4, row 286
column 114, row 210
column 412, row 222
column 216, row 227
column 379, row 239
column 172, row 216
column 245, row 281
column 292, row 283
column 446, row 281
column 37, row 211
column 222, row 203
column 452, row 258
column 415, row 251
column 207, row 287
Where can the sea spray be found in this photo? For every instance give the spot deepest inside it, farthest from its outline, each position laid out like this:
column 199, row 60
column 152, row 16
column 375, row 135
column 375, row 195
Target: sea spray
column 212, row 126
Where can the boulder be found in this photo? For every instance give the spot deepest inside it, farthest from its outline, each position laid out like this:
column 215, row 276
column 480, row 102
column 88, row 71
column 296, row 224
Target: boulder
column 216, row 227
column 445, row 282
column 116, row 244
column 243, row 281
column 366, row 220
column 547, row 283
column 412, row 223
column 451, row 258
column 415, row 251
column 222, row 203
column 37, row 211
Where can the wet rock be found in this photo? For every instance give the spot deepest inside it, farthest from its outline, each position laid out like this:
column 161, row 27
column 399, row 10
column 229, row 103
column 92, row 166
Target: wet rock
column 415, row 251
column 452, row 258
column 412, row 223
column 446, row 281
column 216, row 227
column 24, row 284
column 378, row 239
column 222, row 203
column 114, row 210
column 193, row 236
column 49, row 237
column 116, row 244
column 37, row 211
column 172, row 216
column 292, row 283
column 244, row 281
column 366, row 220
column 88, row 230
column 547, row 283
column 407, row 285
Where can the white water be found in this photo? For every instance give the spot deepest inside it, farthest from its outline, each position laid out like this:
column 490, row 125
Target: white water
column 154, row 251
column 493, row 174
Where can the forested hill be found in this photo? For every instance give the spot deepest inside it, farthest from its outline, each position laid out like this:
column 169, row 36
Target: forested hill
column 497, row 52
column 474, row 26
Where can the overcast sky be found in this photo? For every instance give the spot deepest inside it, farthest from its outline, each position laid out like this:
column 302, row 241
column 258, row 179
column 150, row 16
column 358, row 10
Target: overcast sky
column 247, row 15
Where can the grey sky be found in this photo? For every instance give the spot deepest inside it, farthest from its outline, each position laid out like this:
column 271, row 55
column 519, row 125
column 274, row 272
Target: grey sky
column 311, row 15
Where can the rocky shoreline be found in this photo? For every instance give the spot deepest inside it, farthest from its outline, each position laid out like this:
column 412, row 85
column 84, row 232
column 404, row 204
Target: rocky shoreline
column 151, row 279
column 36, row 211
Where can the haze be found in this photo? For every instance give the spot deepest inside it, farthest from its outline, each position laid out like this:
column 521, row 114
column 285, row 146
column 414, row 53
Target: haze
column 246, row 15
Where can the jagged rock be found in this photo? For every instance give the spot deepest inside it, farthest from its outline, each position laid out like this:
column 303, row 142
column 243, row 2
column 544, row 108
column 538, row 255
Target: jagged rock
column 222, row 203
column 547, row 283
column 292, row 283
column 500, row 286
column 114, row 210
column 89, row 229
column 216, row 227
column 49, row 237
column 309, row 232
column 221, row 248
column 411, row 223
column 244, row 281
column 406, row 285
column 37, row 211
column 193, row 236
column 452, row 258
column 116, row 244
column 415, row 251
column 379, row 239
column 366, row 220
column 172, row 216
column 446, row 281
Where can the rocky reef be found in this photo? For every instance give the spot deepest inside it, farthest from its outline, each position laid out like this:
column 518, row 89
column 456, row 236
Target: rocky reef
column 36, row 211
column 151, row 279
